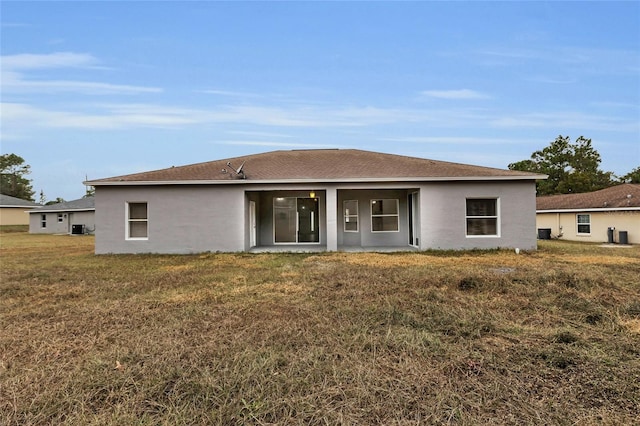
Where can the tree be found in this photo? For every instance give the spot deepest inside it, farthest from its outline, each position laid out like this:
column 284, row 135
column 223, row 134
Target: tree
column 572, row 167
column 12, row 177
column 56, row 201
column 632, row 177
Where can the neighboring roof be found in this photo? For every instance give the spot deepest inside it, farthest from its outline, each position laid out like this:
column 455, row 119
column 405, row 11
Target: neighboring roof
column 316, row 166
column 9, row 201
column 620, row 197
column 83, row 204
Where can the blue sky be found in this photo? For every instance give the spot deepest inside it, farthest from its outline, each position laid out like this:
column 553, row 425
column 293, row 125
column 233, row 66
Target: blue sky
column 100, row 89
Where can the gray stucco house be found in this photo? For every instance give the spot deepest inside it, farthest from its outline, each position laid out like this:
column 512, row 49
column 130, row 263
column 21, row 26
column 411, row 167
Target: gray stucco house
column 315, row 200
column 69, row 217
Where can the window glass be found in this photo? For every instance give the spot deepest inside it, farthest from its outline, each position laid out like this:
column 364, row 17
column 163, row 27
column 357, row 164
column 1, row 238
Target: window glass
column 137, row 220
column 384, row 223
column 482, row 216
column 584, row 223
column 137, row 229
column 137, row 210
column 383, row 207
column 351, row 215
column 384, row 215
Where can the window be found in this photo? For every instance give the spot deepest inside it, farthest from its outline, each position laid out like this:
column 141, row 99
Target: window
column 482, row 217
column 137, row 221
column 350, row 215
column 43, row 220
column 384, row 216
column 60, row 218
column 584, row 224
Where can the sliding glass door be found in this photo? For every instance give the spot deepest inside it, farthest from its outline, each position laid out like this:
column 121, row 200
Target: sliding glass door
column 295, row 220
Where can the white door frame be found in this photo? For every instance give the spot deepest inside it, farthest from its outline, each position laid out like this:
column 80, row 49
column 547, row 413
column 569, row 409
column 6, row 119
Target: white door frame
column 252, row 224
column 414, row 218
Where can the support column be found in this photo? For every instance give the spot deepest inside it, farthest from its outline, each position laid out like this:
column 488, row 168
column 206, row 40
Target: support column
column 332, row 218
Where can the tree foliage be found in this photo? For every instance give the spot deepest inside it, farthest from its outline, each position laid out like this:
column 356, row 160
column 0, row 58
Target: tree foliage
column 56, row 201
column 632, row 177
column 572, row 167
column 13, row 181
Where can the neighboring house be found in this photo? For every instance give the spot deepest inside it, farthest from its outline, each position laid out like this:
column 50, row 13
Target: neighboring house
column 315, row 200
column 588, row 216
column 14, row 211
column 69, row 217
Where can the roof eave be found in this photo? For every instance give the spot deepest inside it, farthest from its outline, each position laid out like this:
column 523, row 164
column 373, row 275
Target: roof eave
column 589, row 209
column 90, row 209
column 316, row 181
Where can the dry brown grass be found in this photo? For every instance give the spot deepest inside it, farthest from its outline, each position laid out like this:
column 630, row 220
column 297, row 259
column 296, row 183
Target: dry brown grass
column 546, row 337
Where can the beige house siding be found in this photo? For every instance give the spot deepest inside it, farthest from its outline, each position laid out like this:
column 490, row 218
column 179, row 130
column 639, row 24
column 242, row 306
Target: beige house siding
column 14, row 216
column 564, row 225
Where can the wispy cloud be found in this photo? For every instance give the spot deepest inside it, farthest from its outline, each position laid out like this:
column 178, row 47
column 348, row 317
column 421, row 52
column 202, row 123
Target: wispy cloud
column 25, row 61
column 275, row 144
column 125, row 115
column 455, row 94
column 577, row 60
column 231, row 93
column 452, row 140
column 258, row 134
column 16, row 68
column 551, row 80
column 14, row 25
column 113, row 118
column 14, row 83
column 567, row 120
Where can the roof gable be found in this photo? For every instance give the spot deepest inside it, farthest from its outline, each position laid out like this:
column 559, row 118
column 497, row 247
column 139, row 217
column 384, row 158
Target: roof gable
column 318, row 165
column 626, row 195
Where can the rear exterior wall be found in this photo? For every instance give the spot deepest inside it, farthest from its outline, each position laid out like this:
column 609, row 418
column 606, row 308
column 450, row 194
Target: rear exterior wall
column 181, row 219
column 443, row 215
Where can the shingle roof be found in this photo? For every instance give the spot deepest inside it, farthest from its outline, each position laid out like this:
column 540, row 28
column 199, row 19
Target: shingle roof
column 87, row 203
column 9, row 201
column 318, row 165
column 626, row 195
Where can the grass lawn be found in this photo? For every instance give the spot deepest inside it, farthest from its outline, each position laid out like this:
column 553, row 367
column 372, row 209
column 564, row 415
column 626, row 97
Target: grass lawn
column 546, row 337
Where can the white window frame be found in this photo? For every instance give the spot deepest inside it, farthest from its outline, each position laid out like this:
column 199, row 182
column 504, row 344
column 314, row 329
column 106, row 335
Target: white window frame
column 60, row 218
column 43, row 220
column 396, row 215
column 496, row 217
column 129, row 221
column 578, row 224
column 349, row 216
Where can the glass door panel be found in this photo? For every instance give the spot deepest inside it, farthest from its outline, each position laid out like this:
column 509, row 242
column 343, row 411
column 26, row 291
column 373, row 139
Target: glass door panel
column 285, row 220
column 296, row 220
column 308, row 220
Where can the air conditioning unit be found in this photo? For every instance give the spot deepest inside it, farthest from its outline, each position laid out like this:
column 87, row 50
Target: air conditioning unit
column 77, row 229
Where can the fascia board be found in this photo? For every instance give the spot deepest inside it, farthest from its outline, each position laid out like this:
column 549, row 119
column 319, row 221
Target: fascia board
column 61, row 210
column 591, row 210
column 314, row 181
